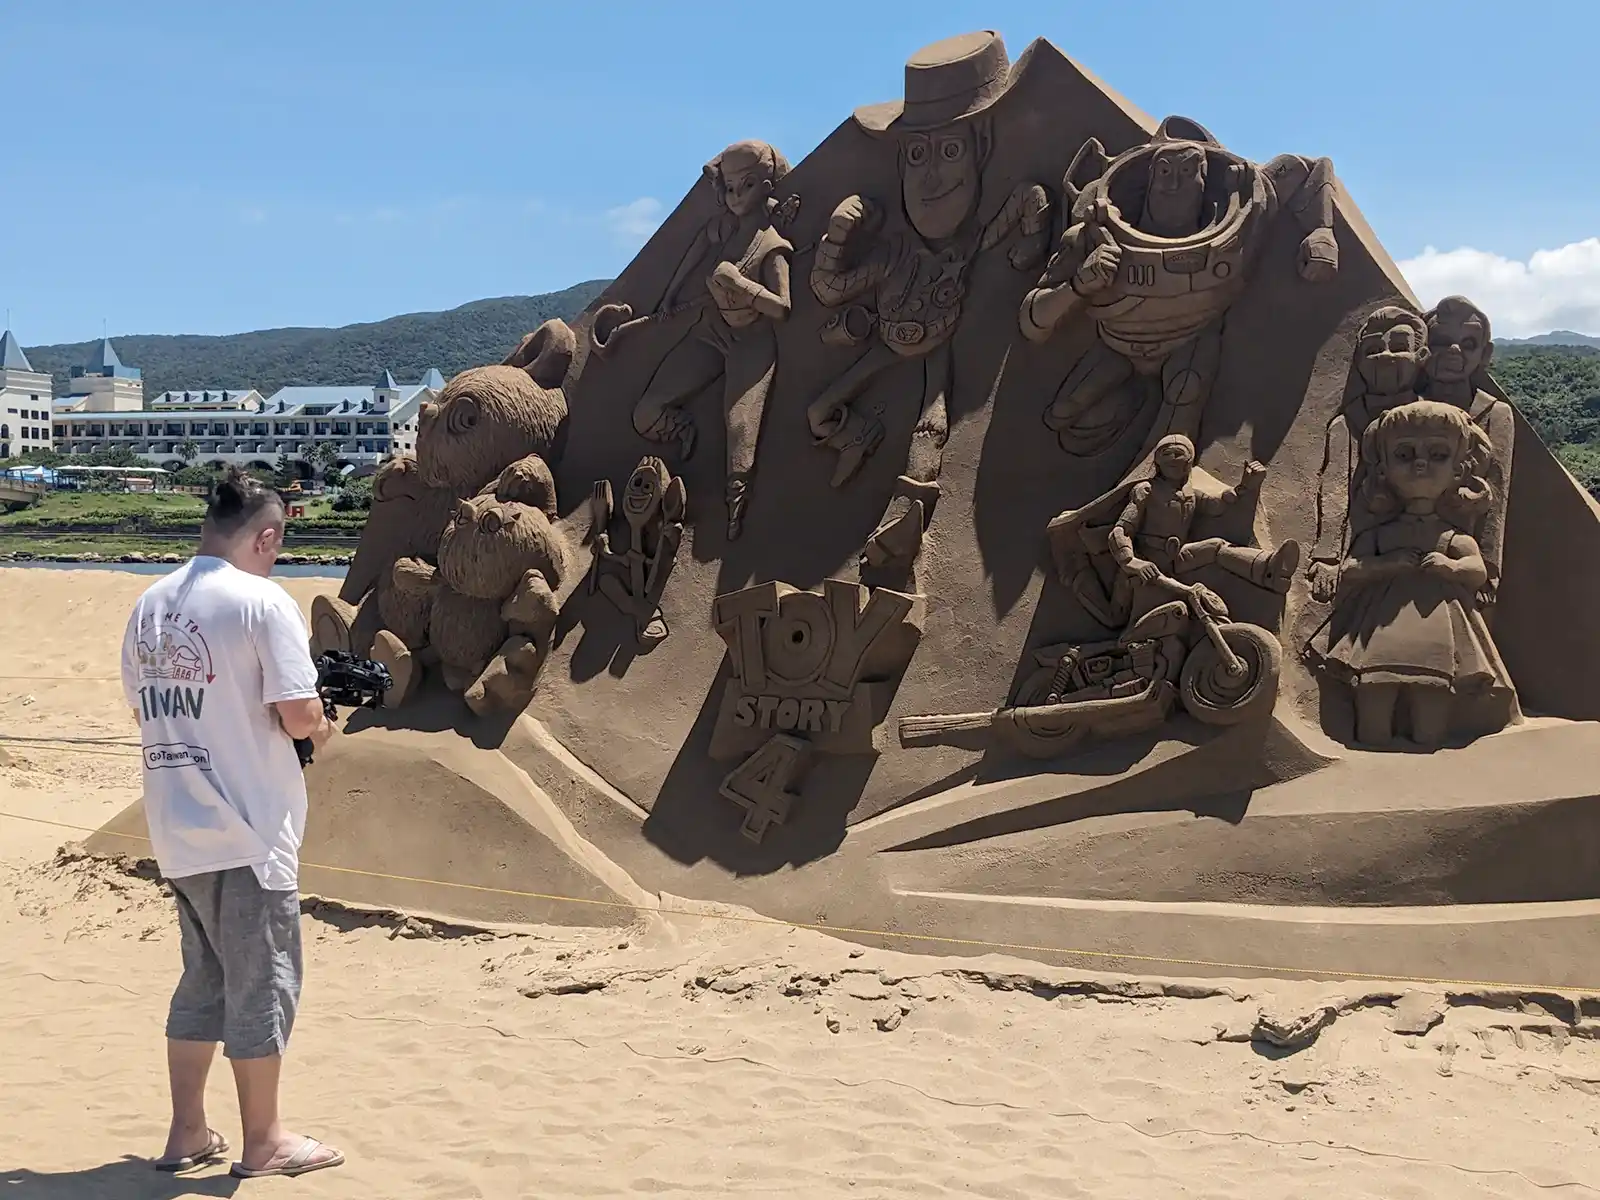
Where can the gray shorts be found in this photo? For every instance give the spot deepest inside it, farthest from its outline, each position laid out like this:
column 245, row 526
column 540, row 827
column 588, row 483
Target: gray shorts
column 241, row 963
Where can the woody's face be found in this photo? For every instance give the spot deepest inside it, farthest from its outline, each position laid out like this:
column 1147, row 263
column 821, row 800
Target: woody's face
column 939, row 179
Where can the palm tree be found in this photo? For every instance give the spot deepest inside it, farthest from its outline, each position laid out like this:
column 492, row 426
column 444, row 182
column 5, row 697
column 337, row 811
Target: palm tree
column 189, row 450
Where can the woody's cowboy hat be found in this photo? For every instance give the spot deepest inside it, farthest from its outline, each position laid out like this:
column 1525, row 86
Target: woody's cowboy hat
column 946, row 82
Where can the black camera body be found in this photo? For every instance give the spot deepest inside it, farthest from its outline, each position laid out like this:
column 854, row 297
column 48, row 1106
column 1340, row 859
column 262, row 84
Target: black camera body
column 342, row 678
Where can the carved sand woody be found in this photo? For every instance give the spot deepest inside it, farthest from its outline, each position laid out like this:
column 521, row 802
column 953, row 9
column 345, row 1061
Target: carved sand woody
column 1159, row 285
column 917, row 276
column 731, row 337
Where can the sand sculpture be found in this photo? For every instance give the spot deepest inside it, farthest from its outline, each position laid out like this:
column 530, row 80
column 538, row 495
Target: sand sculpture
column 1093, row 698
column 915, row 272
column 479, row 484
column 1406, row 622
column 729, row 335
column 1158, row 286
column 633, row 578
column 1175, row 638
column 811, row 671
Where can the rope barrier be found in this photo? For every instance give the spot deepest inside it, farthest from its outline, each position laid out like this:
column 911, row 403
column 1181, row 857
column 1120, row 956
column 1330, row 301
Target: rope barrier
column 886, row 934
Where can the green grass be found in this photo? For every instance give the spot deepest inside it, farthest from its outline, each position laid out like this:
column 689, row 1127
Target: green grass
column 110, row 545
column 151, row 512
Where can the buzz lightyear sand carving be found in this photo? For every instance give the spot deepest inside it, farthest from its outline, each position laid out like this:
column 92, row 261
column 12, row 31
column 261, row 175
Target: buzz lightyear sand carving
column 813, row 672
column 729, row 334
column 1176, row 640
column 1158, row 286
column 653, row 507
column 916, row 274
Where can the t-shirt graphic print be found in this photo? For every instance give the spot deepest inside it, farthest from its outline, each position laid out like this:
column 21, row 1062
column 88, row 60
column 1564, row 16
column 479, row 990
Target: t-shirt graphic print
column 208, row 650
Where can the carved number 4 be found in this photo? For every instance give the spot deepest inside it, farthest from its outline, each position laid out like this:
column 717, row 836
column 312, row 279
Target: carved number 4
column 761, row 784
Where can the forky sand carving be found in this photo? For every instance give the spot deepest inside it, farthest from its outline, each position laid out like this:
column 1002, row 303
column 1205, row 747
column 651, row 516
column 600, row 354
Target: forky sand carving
column 633, row 578
column 1177, row 640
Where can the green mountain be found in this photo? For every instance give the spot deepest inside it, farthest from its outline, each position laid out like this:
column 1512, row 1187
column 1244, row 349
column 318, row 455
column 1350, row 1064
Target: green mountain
column 1553, row 378
column 1557, row 337
column 1558, row 390
column 484, row 331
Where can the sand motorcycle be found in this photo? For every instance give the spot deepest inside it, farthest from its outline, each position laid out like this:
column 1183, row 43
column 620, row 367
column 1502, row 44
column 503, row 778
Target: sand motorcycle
column 1186, row 650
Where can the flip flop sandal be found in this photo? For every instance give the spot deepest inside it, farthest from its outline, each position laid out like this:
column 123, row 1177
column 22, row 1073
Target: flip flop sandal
column 215, row 1148
column 298, row 1163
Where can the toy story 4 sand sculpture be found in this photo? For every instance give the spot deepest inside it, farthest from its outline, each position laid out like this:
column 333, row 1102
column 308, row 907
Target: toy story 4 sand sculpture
column 1284, row 566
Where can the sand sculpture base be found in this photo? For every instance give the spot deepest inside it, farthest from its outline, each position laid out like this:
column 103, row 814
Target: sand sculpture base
column 1261, row 848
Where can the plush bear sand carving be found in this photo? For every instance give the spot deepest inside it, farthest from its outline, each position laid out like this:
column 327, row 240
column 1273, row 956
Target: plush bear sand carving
column 492, row 426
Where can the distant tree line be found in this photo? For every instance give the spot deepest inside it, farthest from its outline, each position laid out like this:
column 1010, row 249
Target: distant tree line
column 484, row 331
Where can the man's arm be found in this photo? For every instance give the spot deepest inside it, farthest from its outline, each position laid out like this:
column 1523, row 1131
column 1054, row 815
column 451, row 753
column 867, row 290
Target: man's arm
column 304, row 719
column 288, row 676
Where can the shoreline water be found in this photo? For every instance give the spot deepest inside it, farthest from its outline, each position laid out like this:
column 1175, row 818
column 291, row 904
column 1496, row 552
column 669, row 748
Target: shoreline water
column 282, row 570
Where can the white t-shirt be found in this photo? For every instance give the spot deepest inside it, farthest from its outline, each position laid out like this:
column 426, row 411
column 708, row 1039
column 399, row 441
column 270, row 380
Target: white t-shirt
column 208, row 650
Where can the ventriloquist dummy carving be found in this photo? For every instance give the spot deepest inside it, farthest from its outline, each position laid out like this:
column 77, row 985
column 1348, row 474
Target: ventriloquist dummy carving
column 1162, row 240
column 1460, row 347
column 1391, row 347
column 485, row 420
column 1407, row 633
column 812, row 672
column 916, row 271
column 653, row 506
column 1175, row 637
column 1443, row 355
column 491, row 602
column 731, row 335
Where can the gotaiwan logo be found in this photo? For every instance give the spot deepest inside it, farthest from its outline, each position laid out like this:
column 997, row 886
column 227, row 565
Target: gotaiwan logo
column 172, row 647
column 176, row 754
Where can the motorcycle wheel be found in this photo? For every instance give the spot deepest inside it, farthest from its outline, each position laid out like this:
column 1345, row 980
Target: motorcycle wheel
column 1210, row 695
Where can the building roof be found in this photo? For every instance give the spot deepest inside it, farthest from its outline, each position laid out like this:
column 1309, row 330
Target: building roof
column 11, row 356
column 207, row 396
column 433, row 380
column 386, row 382
column 103, row 358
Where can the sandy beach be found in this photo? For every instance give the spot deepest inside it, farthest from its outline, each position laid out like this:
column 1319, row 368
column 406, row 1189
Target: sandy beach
column 708, row 1058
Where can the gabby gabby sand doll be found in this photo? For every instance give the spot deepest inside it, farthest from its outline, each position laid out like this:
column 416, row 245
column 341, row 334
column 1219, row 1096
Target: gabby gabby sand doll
column 1406, row 632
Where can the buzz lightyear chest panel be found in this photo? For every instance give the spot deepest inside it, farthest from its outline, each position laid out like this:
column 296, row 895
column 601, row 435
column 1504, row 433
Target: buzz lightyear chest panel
column 919, row 304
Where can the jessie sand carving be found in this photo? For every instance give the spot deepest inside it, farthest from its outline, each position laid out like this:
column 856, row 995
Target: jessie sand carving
column 916, row 273
column 731, row 336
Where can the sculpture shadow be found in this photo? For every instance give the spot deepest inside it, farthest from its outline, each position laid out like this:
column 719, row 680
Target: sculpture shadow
column 1178, row 784
column 608, row 641
column 691, row 821
column 434, row 709
column 128, row 1178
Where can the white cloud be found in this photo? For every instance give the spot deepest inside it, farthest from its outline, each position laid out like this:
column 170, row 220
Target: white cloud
column 633, row 222
column 1554, row 289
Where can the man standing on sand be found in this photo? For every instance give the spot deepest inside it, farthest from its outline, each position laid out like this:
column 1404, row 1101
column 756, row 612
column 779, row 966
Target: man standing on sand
column 217, row 668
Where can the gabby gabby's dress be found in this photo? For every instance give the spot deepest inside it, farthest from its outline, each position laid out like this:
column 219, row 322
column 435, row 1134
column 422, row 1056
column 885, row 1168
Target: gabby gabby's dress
column 1415, row 629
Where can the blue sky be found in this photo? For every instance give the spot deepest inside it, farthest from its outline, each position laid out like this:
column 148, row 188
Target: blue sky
column 176, row 166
